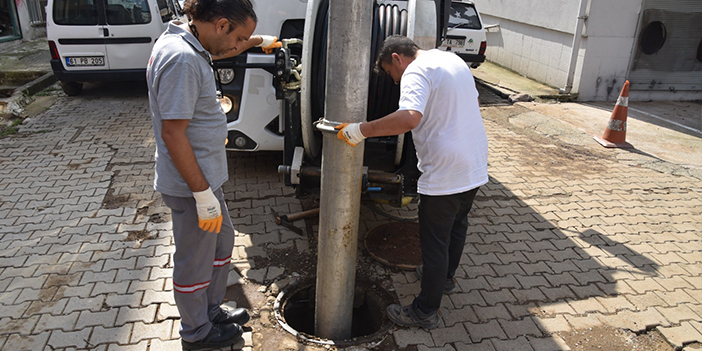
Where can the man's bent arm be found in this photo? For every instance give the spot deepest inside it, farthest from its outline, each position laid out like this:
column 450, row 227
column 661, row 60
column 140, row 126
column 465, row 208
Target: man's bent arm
column 182, row 155
column 396, row 123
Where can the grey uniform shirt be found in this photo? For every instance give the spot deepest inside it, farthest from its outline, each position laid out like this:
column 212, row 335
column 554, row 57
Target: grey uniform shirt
column 182, row 86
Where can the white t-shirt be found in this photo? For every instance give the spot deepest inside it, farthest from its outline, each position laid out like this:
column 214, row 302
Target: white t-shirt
column 450, row 139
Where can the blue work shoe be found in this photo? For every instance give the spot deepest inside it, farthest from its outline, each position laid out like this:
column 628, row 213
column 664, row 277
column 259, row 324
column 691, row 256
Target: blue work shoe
column 221, row 335
column 449, row 286
column 226, row 316
column 407, row 317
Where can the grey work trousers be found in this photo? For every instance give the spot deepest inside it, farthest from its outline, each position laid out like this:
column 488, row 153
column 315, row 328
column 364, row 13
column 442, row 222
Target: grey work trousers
column 443, row 223
column 200, row 265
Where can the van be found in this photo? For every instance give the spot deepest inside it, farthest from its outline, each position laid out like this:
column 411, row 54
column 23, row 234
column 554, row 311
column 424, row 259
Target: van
column 104, row 40
column 466, row 34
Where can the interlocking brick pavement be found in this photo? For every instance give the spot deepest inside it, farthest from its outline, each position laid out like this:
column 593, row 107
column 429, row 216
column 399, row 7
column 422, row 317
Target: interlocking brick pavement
column 562, row 237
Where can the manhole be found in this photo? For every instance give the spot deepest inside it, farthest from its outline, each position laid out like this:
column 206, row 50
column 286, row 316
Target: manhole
column 395, row 244
column 295, row 311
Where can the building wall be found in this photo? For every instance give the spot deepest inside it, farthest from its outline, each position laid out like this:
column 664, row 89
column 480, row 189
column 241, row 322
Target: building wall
column 29, row 31
column 535, row 39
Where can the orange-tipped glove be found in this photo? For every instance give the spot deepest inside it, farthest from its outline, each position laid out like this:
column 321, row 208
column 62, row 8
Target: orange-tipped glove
column 209, row 211
column 350, row 133
column 269, row 43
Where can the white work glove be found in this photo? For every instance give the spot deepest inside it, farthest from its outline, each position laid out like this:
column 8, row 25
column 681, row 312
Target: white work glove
column 269, row 43
column 350, row 133
column 209, row 212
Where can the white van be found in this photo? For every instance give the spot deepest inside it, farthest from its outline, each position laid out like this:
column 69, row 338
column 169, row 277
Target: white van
column 104, row 40
column 466, row 34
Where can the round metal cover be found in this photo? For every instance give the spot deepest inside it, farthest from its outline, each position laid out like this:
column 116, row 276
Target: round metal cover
column 395, row 244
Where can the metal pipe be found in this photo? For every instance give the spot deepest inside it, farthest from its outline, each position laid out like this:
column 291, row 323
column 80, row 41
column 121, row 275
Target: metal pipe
column 348, row 69
column 374, row 176
column 576, row 48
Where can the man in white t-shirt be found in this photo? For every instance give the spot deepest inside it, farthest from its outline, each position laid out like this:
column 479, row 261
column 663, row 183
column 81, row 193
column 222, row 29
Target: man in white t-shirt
column 439, row 104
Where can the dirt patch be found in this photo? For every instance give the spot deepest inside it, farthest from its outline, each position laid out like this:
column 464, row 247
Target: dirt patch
column 612, row 339
column 395, row 244
column 112, row 201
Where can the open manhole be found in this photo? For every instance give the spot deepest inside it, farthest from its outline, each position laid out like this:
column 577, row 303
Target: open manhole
column 295, row 312
column 395, row 244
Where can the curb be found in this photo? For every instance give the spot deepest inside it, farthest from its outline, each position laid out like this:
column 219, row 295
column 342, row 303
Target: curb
column 21, row 97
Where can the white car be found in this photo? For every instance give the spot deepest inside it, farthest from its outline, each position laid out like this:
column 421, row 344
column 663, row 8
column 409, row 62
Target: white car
column 466, row 34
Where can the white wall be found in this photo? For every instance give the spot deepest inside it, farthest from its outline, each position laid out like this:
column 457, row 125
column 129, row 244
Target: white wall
column 29, row 32
column 610, row 32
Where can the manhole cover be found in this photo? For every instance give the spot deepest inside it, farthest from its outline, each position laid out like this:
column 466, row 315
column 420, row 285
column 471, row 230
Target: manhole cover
column 395, row 244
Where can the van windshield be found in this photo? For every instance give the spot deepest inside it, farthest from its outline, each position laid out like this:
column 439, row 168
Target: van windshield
column 75, row 12
column 463, row 16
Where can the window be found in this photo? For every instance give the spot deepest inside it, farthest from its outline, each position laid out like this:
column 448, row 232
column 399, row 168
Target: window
column 75, row 12
column 120, row 12
column 167, row 9
column 463, row 16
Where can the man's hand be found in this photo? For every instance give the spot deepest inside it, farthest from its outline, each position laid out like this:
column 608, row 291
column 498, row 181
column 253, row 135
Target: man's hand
column 269, row 43
column 209, row 212
column 350, row 133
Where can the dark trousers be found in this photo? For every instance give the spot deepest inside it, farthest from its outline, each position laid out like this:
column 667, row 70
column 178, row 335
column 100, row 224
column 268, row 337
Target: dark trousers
column 443, row 223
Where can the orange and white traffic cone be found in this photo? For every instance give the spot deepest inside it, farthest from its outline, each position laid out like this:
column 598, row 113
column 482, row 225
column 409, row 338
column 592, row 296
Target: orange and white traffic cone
column 615, row 133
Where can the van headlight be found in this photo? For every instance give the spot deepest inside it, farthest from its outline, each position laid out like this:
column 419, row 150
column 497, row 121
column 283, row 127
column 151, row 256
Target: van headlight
column 226, row 103
column 226, row 75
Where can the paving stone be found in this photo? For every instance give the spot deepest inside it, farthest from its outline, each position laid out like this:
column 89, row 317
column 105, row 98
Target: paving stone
column 480, row 331
column 677, row 314
column 84, row 304
column 77, row 339
column 487, row 313
column 21, row 326
column 102, row 318
column 145, row 331
column 143, row 314
column 549, row 343
column 118, row 335
column 486, row 345
column 412, row 336
column 680, row 335
column 520, row 344
column 445, row 335
column 29, row 342
column 517, row 328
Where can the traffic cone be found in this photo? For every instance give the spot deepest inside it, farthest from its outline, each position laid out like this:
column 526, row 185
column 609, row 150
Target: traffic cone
column 615, row 133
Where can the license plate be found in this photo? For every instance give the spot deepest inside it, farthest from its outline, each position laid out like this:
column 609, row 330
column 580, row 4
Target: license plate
column 85, row 61
column 455, row 42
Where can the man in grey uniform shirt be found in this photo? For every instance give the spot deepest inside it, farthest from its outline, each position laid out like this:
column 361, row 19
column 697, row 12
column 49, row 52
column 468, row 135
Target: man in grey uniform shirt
column 191, row 163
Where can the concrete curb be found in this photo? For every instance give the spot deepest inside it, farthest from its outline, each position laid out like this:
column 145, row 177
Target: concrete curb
column 14, row 105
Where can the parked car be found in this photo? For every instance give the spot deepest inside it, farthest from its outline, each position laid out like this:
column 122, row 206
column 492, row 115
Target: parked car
column 466, row 34
column 104, row 40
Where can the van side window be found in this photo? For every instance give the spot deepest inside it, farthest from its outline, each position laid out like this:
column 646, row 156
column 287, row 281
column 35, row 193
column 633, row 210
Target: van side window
column 120, row 12
column 463, row 16
column 167, row 10
column 75, row 12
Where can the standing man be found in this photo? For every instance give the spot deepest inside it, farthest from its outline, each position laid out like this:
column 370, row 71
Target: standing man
column 439, row 104
column 191, row 163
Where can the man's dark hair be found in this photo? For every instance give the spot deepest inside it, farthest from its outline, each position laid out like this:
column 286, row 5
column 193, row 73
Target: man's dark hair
column 394, row 44
column 236, row 11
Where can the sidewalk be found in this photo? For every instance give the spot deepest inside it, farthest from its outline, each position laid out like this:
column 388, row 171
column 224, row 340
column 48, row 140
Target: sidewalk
column 669, row 130
column 568, row 241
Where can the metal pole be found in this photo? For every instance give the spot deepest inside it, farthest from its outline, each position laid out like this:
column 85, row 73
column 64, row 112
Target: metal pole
column 577, row 37
column 348, row 69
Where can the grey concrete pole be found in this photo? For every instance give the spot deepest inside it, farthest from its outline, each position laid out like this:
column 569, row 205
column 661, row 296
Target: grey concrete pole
column 348, row 67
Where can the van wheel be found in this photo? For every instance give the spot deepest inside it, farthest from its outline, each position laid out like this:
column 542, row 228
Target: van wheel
column 71, row 88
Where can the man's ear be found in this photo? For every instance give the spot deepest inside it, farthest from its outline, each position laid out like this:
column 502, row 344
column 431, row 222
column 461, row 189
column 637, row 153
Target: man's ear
column 395, row 57
column 222, row 26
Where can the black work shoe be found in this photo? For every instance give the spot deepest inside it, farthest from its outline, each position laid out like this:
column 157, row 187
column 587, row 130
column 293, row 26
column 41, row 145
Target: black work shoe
column 221, row 335
column 225, row 316
column 407, row 317
column 449, row 286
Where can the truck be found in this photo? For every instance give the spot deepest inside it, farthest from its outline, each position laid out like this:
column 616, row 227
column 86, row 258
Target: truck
column 273, row 102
